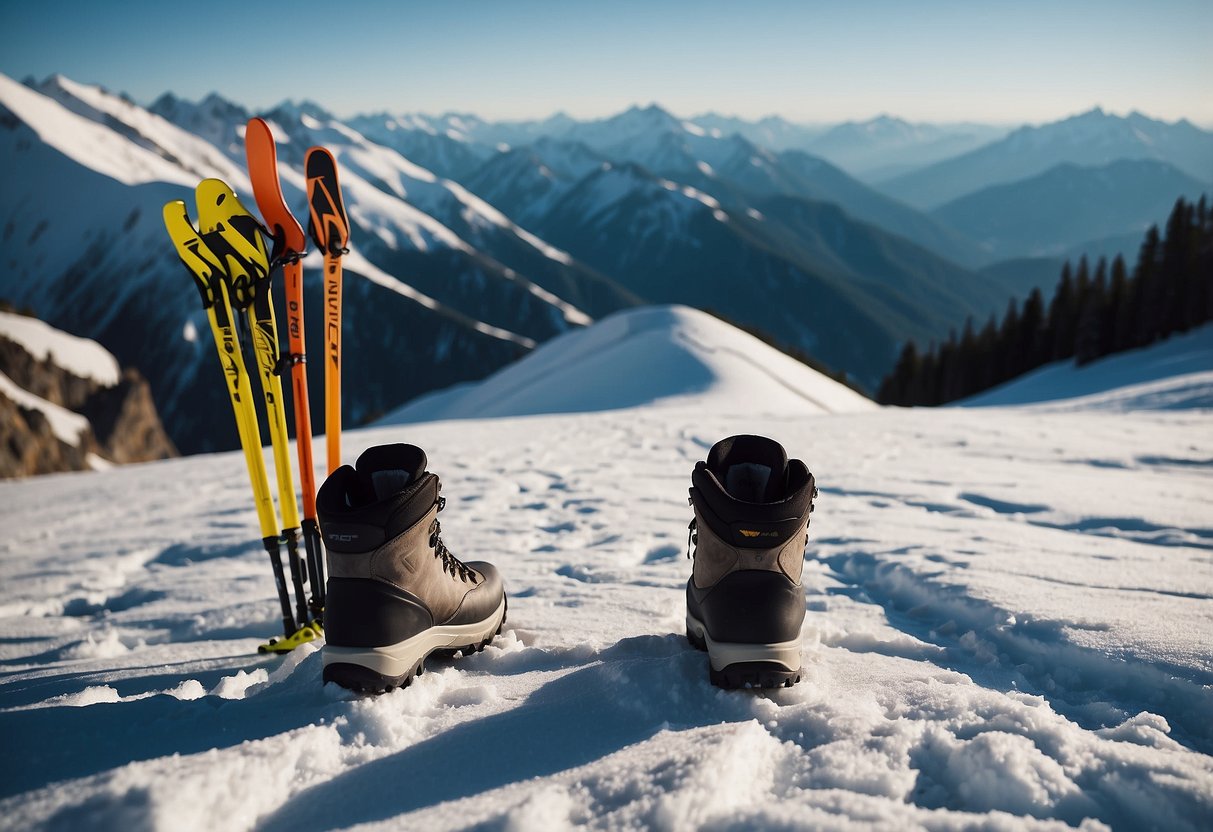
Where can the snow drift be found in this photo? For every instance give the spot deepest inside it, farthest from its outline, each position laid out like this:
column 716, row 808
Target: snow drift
column 661, row 354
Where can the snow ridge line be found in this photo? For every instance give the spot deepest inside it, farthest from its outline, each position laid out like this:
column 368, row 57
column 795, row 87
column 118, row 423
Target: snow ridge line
column 990, row 639
column 760, row 368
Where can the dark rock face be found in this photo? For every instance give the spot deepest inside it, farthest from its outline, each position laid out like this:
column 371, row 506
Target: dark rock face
column 123, row 423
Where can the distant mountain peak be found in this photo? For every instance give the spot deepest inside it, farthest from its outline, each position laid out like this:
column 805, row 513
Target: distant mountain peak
column 293, row 111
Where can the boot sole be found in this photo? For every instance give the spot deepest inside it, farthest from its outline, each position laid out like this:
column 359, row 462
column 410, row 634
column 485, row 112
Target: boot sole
column 732, row 665
column 382, row 669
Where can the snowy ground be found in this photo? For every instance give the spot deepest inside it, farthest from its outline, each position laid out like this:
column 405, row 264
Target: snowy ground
column 1010, row 613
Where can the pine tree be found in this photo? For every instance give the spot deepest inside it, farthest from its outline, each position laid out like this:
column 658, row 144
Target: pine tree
column 1008, row 338
column 987, row 356
column 898, row 385
column 1062, row 312
column 1148, row 295
column 1032, row 352
column 1090, row 322
column 1117, row 311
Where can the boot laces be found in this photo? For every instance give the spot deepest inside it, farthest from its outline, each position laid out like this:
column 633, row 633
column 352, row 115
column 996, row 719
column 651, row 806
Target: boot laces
column 450, row 563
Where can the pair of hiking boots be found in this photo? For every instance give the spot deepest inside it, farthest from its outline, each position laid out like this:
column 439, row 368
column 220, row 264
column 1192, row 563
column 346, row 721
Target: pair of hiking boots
column 397, row 595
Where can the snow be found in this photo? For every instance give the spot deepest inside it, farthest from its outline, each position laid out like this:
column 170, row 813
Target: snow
column 1008, row 620
column 65, row 424
column 663, row 354
column 82, row 357
column 84, row 141
column 1175, row 374
column 356, row 264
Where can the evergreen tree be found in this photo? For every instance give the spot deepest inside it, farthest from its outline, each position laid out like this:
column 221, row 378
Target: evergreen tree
column 987, row 356
column 1118, row 313
column 1089, row 316
column 1062, row 312
column 898, row 385
column 1008, row 338
column 1030, row 349
column 1148, row 294
column 1090, row 322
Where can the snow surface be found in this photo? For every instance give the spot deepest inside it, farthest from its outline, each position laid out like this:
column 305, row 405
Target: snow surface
column 1008, row 624
column 1175, row 374
column 82, row 357
column 91, row 144
column 663, row 354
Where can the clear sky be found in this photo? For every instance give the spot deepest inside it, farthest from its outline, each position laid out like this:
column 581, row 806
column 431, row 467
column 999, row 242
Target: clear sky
column 1017, row 61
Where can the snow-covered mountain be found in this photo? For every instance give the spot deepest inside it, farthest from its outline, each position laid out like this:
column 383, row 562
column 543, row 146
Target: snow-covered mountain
column 1093, row 138
column 1051, row 213
column 804, row 272
column 772, row 132
column 99, row 262
column 68, row 406
column 730, row 167
column 1007, row 627
column 449, row 154
column 886, row 146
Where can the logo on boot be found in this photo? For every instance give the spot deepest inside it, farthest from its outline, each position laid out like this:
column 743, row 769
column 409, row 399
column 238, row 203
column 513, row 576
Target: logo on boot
column 755, row 533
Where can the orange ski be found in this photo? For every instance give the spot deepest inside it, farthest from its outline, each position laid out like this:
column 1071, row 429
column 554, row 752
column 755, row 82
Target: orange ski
column 330, row 230
column 289, row 245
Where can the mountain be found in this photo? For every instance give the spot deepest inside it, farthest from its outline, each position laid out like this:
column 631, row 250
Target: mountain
column 526, row 181
column 1007, row 625
column 1091, row 139
column 449, row 154
column 1020, row 275
column 100, row 263
column 706, row 153
column 772, row 132
column 731, row 169
column 886, row 146
column 806, row 273
column 68, row 406
column 1066, row 205
column 1126, row 244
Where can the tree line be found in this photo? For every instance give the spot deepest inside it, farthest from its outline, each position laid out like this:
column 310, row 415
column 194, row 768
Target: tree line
column 1092, row 314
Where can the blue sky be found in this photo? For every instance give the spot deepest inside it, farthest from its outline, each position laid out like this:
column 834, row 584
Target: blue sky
column 943, row 61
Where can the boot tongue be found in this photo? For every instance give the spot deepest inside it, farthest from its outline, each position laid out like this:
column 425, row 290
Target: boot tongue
column 391, row 468
column 751, row 468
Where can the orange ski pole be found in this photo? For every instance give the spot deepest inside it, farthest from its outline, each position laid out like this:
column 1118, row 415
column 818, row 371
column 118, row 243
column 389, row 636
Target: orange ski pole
column 330, row 230
column 289, row 245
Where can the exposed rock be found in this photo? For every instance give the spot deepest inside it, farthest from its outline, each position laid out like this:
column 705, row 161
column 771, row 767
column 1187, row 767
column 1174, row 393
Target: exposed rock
column 124, row 425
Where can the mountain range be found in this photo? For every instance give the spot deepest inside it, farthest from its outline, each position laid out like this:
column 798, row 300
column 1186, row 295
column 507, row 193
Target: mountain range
column 1054, row 211
column 1093, row 138
column 474, row 241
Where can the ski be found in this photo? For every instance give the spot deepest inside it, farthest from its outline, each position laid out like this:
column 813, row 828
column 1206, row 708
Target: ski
column 330, row 230
column 290, row 243
column 209, row 274
column 233, row 233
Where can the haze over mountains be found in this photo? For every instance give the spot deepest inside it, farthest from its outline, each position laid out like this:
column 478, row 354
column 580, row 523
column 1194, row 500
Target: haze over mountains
column 474, row 241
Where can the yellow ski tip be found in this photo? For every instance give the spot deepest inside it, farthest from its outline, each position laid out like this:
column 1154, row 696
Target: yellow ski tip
column 220, row 211
column 308, row 632
column 203, row 264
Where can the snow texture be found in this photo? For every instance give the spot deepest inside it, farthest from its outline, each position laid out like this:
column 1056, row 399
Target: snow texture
column 1008, row 622
column 82, row 357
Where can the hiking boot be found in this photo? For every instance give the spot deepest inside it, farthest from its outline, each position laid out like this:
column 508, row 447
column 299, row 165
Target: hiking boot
column 745, row 601
column 395, row 593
